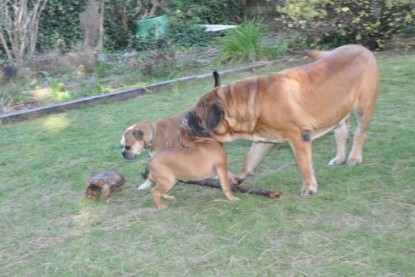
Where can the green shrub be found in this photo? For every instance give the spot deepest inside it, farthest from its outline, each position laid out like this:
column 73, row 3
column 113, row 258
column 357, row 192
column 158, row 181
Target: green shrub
column 185, row 18
column 58, row 91
column 244, row 43
column 120, row 23
column 158, row 63
column 206, row 11
column 187, row 35
column 59, row 25
column 333, row 23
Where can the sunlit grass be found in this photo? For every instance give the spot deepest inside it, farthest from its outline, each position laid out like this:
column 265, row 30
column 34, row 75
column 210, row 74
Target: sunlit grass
column 361, row 223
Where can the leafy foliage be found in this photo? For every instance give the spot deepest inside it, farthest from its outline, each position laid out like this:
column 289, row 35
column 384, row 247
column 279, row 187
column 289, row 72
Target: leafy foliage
column 158, row 63
column 59, row 25
column 185, row 18
column 333, row 23
column 244, row 43
column 206, row 12
column 186, row 34
column 120, row 23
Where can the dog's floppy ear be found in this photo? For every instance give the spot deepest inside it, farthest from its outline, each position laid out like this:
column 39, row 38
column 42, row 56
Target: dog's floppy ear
column 138, row 134
column 213, row 117
column 193, row 121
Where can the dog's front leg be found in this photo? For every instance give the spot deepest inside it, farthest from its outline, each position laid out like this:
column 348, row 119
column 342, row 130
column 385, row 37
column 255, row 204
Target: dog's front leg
column 303, row 154
column 256, row 154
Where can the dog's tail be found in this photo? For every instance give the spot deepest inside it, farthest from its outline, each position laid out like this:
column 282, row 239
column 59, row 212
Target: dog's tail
column 217, row 78
column 316, row 54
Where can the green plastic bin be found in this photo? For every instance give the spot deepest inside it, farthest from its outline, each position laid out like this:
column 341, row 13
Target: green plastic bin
column 157, row 26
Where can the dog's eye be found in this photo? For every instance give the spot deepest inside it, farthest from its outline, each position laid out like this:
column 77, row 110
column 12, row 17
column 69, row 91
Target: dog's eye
column 127, row 147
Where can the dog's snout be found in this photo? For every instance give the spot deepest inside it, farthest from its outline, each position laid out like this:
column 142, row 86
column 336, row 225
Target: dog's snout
column 128, row 155
column 189, row 116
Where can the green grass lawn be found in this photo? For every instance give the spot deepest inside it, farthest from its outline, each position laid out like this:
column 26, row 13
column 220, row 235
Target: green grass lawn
column 361, row 223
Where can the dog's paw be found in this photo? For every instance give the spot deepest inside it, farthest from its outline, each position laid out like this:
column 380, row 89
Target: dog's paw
column 144, row 186
column 335, row 161
column 235, row 180
column 161, row 207
column 306, row 191
column 233, row 199
column 354, row 161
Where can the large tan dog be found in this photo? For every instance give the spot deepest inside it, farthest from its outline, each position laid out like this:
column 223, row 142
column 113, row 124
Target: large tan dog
column 295, row 106
column 153, row 136
column 196, row 159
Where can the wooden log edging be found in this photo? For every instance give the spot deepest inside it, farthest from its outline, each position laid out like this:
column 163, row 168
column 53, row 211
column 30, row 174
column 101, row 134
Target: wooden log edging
column 118, row 95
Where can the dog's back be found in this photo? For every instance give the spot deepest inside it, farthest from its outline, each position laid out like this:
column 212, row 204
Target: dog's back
column 165, row 131
column 183, row 161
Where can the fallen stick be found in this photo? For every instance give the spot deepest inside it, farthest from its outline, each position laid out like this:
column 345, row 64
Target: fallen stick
column 215, row 184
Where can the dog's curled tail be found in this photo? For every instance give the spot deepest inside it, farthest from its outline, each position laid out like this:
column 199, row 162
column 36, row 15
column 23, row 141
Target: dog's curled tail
column 315, row 54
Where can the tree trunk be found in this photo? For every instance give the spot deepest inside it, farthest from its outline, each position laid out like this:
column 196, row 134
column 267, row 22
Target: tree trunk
column 100, row 45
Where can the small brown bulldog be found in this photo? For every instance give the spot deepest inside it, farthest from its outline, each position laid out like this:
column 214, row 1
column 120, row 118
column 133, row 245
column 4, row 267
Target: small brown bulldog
column 154, row 136
column 196, row 159
column 296, row 106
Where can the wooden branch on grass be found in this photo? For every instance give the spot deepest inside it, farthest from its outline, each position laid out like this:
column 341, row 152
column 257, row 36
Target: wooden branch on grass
column 215, row 184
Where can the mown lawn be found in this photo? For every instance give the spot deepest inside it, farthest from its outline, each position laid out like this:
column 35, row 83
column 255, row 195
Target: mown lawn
column 361, row 223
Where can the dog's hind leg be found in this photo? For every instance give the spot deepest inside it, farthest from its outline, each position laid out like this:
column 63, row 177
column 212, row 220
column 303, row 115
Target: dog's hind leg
column 164, row 182
column 341, row 134
column 355, row 156
column 363, row 111
column 369, row 91
column 160, row 192
column 222, row 172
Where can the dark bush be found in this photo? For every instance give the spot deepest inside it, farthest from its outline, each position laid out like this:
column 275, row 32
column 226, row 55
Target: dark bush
column 333, row 23
column 9, row 71
column 206, row 11
column 59, row 24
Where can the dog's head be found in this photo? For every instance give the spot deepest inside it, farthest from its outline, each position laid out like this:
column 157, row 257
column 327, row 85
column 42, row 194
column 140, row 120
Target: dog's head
column 208, row 116
column 135, row 139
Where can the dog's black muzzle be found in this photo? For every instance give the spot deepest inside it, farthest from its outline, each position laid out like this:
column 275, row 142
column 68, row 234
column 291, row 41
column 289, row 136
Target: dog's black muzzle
column 127, row 155
column 195, row 124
